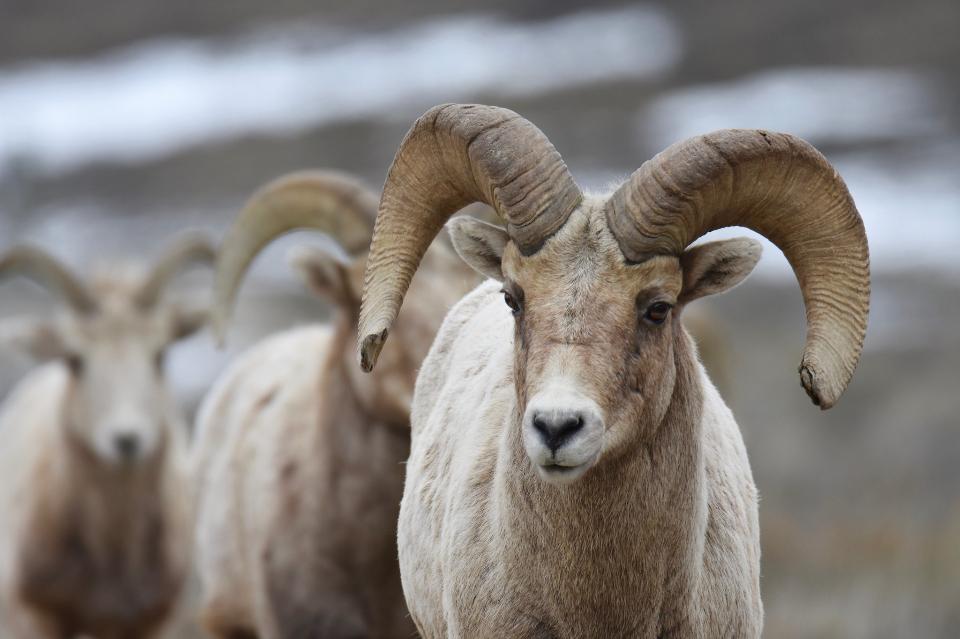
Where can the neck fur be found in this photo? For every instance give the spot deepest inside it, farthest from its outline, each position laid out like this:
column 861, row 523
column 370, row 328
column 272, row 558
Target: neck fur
column 626, row 524
column 115, row 511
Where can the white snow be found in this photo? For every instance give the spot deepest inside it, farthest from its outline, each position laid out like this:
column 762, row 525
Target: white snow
column 150, row 100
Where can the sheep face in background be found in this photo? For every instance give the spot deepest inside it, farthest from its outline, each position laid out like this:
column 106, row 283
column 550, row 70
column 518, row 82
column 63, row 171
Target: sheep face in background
column 117, row 401
column 594, row 335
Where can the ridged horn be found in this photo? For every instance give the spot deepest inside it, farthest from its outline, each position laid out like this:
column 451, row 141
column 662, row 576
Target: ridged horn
column 454, row 155
column 332, row 203
column 187, row 250
column 41, row 267
column 781, row 187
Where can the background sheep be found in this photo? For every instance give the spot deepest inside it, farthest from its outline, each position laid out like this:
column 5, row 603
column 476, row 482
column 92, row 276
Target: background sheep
column 93, row 528
column 299, row 456
column 573, row 472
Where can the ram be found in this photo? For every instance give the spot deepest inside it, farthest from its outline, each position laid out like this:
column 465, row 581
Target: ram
column 93, row 515
column 299, row 458
column 573, row 473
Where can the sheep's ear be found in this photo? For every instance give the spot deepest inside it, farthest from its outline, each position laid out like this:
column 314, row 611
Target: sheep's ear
column 327, row 274
column 40, row 340
column 188, row 319
column 479, row 244
column 716, row 267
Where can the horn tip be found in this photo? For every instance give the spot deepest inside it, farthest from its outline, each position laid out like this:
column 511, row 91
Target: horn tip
column 370, row 347
column 821, row 396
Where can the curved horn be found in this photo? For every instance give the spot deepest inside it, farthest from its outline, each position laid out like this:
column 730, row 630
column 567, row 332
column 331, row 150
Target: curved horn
column 784, row 189
column 456, row 154
column 329, row 202
column 43, row 268
column 190, row 249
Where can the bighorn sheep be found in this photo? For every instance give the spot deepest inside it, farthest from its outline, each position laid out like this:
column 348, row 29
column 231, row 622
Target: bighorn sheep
column 573, row 473
column 93, row 522
column 299, row 456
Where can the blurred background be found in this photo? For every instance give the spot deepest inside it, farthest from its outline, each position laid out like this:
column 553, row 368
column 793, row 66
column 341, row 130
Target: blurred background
column 125, row 121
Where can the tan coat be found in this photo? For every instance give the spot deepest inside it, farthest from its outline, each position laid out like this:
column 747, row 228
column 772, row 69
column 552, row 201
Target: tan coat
column 85, row 547
column 659, row 538
column 300, row 469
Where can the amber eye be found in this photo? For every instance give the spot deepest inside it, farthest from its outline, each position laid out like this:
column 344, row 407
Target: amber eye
column 511, row 302
column 657, row 312
column 74, row 364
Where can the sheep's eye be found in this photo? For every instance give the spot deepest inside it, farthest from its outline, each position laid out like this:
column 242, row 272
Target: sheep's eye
column 657, row 312
column 511, row 302
column 74, row 364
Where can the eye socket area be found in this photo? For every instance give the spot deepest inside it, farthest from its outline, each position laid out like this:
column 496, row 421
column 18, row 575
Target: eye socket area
column 513, row 297
column 159, row 360
column 75, row 364
column 657, row 312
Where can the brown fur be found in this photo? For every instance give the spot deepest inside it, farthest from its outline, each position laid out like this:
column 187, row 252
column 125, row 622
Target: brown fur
column 658, row 537
column 94, row 545
column 301, row 491
column 93, row 568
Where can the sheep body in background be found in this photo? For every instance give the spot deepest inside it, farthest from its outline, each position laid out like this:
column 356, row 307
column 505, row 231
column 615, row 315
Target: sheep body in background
column 573, row 472
column 94, row 522
column 299, row 454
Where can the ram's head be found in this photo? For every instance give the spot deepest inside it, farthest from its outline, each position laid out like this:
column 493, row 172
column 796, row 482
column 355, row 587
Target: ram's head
column 340, row 207
column 596, row 284
column 111, row 337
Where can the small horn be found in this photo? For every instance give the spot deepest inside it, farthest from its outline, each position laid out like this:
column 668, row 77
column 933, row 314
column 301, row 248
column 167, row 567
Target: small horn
column 41, row 267
column 188, row 250
column 784, row 189
column 454, row 155
column 332, row 203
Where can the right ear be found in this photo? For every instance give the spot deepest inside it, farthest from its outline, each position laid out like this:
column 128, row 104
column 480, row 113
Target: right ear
column 716, row 267
column 327, row 274
column 479, row 244
column 38, row 339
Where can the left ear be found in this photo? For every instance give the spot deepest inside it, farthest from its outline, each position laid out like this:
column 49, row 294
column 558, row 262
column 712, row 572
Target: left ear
column 479, row 244
column 188, row 319
column 716, row 267
column 328, row 274
column 40, row 340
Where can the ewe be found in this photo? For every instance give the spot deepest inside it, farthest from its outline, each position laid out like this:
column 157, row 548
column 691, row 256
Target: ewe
column 93, row 516
column 573, row 473
column 299, row 457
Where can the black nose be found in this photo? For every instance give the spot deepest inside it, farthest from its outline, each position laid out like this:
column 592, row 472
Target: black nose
column 127, row 445
column 558, row 428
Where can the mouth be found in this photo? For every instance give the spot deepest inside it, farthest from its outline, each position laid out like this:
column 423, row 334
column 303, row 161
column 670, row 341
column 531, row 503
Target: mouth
column 560, row 473
column 558, row 469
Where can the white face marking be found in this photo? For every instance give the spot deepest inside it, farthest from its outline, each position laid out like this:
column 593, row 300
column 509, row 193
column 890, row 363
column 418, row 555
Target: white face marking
column 118, row 404
column 562, row 431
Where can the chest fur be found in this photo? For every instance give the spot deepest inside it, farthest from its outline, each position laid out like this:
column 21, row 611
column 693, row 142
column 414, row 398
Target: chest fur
column 99, row 581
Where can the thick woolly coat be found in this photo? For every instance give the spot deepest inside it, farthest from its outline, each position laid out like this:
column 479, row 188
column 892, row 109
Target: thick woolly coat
column 662, row 543
column 85, row 547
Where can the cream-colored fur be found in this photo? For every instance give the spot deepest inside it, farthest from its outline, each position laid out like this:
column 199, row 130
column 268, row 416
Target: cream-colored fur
column 299, row 466
column 92, row 542
column 657, row 538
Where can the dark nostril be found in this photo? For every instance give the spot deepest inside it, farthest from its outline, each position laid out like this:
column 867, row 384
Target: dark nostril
column 557, row 430
column 126, row 445
column 570, row 426
column 540, row 424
